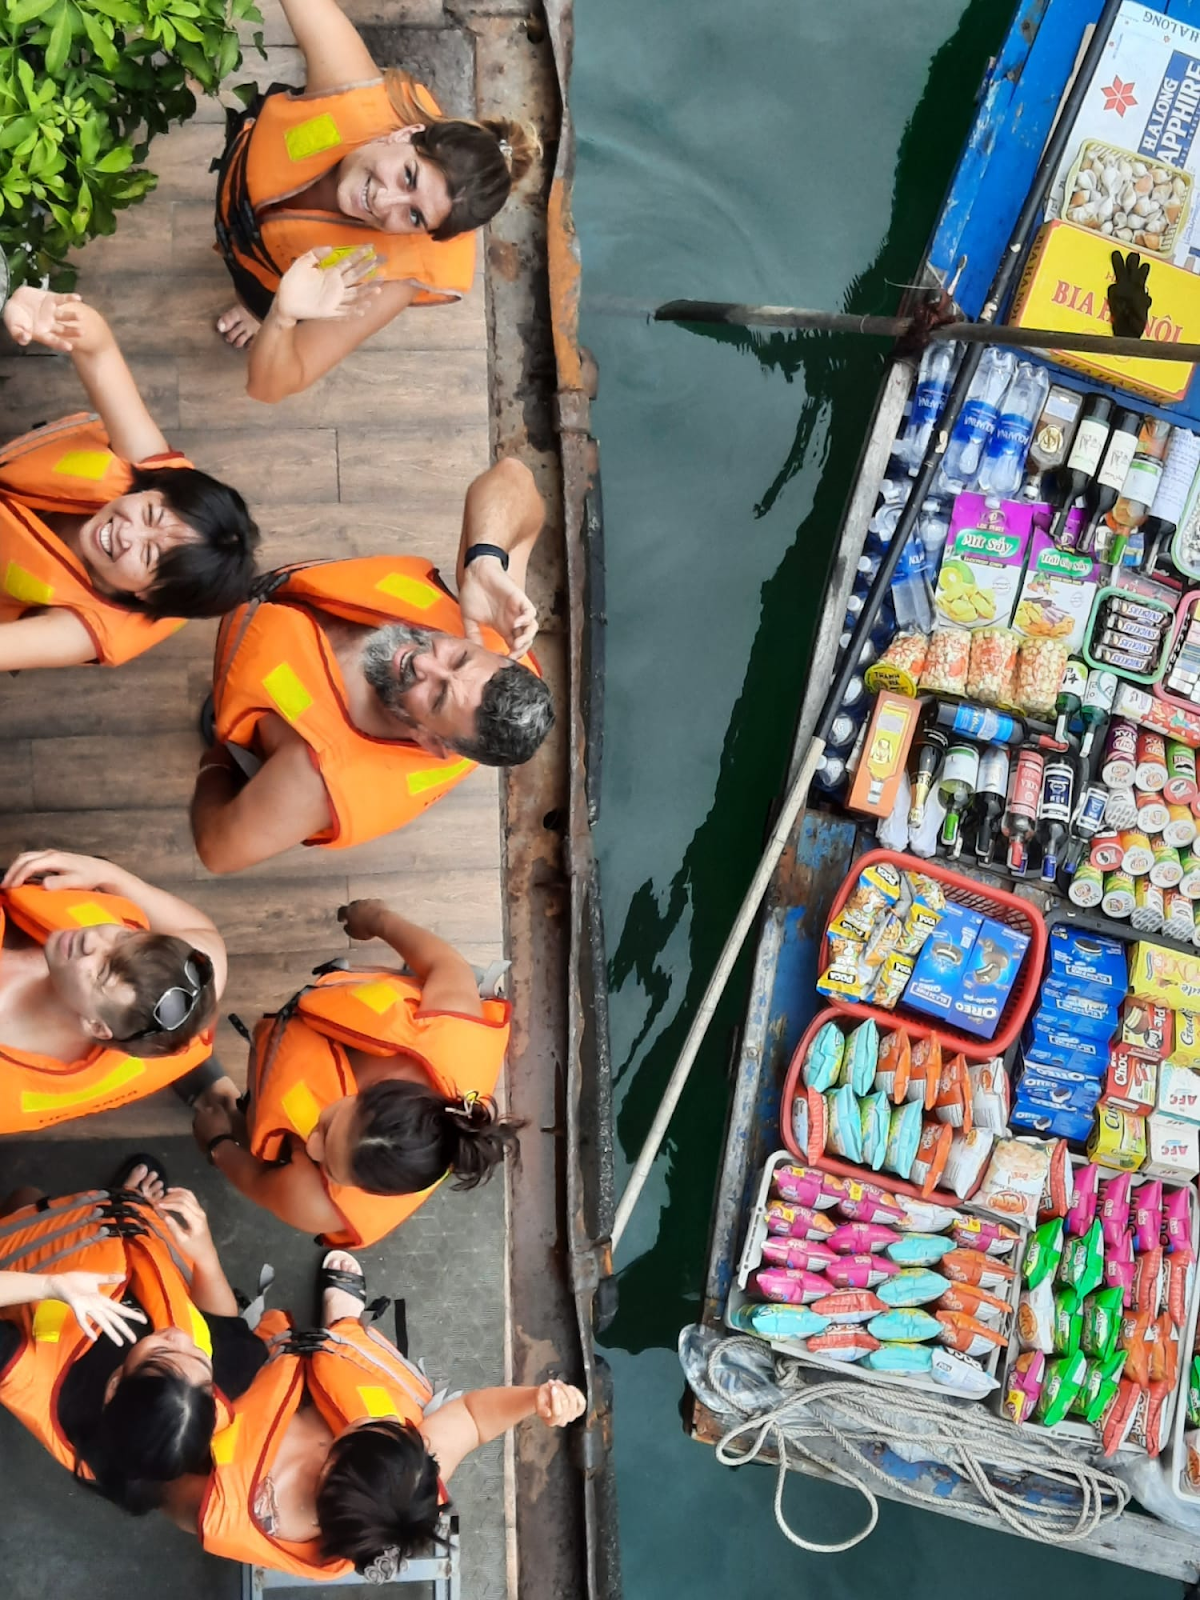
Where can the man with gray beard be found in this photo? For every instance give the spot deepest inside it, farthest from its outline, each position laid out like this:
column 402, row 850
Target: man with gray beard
column 350, row 695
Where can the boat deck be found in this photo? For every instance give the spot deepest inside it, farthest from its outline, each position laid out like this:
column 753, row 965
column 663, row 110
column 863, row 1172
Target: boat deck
column 376, row 458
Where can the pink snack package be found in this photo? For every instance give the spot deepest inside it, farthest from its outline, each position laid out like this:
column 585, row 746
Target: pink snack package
column 978, row 1233
column 790, row 1286
column 1114, row 1207
column 804, row 1253
column 1177, row 1222
column 800, row 1185
column 1025, row 1380
column 1118, row 1267
column 798, row 1222
column 861, row 1271
column 1086, row 1198
column 845, row 1343
column 1148, row 1215
column 867, row 1202
column 853, row 1238
column 850, row 1305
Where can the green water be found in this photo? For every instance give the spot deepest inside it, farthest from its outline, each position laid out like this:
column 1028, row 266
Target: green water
column 772, row 150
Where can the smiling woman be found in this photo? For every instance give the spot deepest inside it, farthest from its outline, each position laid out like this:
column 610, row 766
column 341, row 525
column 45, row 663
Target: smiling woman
column 108, row 538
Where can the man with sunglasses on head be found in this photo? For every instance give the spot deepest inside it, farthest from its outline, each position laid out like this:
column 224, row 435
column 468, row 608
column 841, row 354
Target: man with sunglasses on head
column 108, row 988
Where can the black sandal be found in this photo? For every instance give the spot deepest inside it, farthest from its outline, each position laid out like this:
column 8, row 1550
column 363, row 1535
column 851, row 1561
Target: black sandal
column 153, row 1166
column 351, row 1283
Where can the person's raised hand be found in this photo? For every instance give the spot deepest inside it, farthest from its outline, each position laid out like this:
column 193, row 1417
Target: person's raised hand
column 187, row 1224
column 39, row 316
column 559, row 1403
column 489, row 598
column 95, row 1312
column 57, row 869
column 362, row 919
column 326, row 285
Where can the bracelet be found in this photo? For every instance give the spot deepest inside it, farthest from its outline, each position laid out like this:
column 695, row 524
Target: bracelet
column 476, row 550
column 212, row 1144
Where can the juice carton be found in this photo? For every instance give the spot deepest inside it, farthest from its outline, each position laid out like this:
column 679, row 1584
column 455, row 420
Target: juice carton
column 1056, row 593
column 988, row 979
column 982, row 562
column 937, row 978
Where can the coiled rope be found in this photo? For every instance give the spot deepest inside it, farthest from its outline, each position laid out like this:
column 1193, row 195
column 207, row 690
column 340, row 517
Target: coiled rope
column 854, row 1413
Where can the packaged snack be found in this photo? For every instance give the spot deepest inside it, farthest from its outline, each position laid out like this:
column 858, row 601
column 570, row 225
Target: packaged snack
column 777, row 1322
column 1177, row 1222
column 844, row 1343
column 972, row 1266
column 1115, row 1206
column 849, row 1305
column 882, row 942
column 900, row 666
column 1148, row 1215
column 1116, row 1422
column 913, row 1286
column 844, row 1129
column 1169, row 976
column 1118, row 1267
column 904, row 1135
column 924, row 1216
column 1089, row 963
column 1032, row 1116
column 988, row 979
column 975, row 1302
column 790, row 1285
column 1049, row 1044
column 1118, row 1139
column 1185, row 1051
column 1093, row 1015
column 1102, row 1316
column 1024, row 1386
column 799, row 1222
column 1147, row 1026
column 1035, row 1318
column 1013, row 1182
column 1063, row 1380
column 937, row 977
column 1132, row 1082
column 919, row 1249
column 877, row 890
column 927, row 1070
column 807, row 1254
column 924, row 909
column 909, row 1325
column 803, row 1186
column 895, row 1058
column 990, row 1096
column 1191, row 1464
column 1040, row 667
column 981, row 1233
column 894, row 975
column 982, row 562
column 1164, row 1352
column 843, row 978
column 1180, row 1272
column 932, row 1152
column 823, row 1061
column 1084, row 1203
column 1057, row 1089
column 1057, row 592
column 966, row 1334
column 960, row 1374
column 865, row 1202
column 1178, row 1093
column 1100, row 1385
column 810, row 1123
column 992, row 663
column 875, row 1120
column 860, row 1271
column 952, row 1103
column 969, row 1154
column 1172, row 1148
column 1137, row 1334
column 1059, row 1188
column 1043, row 1252
column 861, row 1238
column 1066, row 1325
column 1148, row 1428
column 1082, row 1264
column 894, row 1357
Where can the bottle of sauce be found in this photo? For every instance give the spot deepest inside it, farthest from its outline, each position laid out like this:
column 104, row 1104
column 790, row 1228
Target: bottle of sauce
column 956, row 790
column 1100, row 495
column 1087, row 450
column 991, row 790
column 1021, row 817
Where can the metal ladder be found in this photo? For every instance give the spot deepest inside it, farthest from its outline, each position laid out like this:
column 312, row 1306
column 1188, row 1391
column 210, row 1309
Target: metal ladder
column 439, row 1568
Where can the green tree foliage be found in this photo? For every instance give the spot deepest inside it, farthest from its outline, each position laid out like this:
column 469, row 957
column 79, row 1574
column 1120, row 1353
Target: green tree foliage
column 84, row 87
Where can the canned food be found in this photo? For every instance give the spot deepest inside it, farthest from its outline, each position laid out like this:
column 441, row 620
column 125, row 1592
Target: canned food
column 1189, row 883
column 1118, row 898
column 1181, row 826
column 1147, row 913
column 1168, row 868
column 1137, row 857
column 1178, row 915
column 1087, row 886
column 1120, row 754
column 1120, row 809
column 1180, row 786
column 1106, row 851
column 1153, row 814
column 1151, row 771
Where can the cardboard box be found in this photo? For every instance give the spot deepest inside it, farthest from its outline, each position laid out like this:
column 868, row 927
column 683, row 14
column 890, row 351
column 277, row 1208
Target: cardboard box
column 1148, row 711
column 1148, row 1027
column 1057, row 592
column 1168, row 976
column 1132, row 1082
column 937, row 978
column 1056, row 1088
column 1062, row 1002
column 1118, row 1140
column 1178, row 1093
column 1051, row 1122
column 1185, row 1047
column 1172, row 1148
column 1065, row 286
column 982, row 562
column 1047, row 1042
column 889, row 736
column 989, row 978
column 1091, row 963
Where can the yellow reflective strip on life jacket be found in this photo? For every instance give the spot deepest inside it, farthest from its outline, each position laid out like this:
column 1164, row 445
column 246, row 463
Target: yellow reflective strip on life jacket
column 25, row 587
column 83, row 463
column 302, row 1108
column 377, row 1402
column 288, row 693
column 379, row 996
column 411, row 590
column 49, row 1319
column 433, row 777
column 334, row 256
column 224, row 1443
column 201, row 1336
column 124, row 1072
column 89, row 915
column 310, row 137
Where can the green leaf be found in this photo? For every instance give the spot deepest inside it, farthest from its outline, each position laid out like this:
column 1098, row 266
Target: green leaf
column 17, row 130
column 259, row 45
column 100, row 38
column 24, row 11
column 188, row 30
column 60, row 41
column 89, row 139
column 245, row 92
column 230, row 54
column 28, row 83
column 118, row 160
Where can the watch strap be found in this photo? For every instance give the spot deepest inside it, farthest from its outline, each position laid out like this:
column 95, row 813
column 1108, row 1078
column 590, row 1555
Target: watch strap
column 212, row 1144
column 477, row 550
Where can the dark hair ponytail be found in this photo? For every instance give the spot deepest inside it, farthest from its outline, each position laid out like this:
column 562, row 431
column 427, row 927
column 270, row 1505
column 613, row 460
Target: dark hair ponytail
column 409, row 1136
column 157, row 1427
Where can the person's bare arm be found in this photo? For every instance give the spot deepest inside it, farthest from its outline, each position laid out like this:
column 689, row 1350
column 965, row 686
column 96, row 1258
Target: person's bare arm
column 289, row 355
column 166, row 913
column 237, row 823
column 333, row 50
column 459, row 1427
column 446, row 978
column 294, row 1193
column 503, row 507
column 54, row 638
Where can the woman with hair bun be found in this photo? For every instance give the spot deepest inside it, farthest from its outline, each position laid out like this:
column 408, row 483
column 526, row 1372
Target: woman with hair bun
column 367, row 1090
column 341, row 204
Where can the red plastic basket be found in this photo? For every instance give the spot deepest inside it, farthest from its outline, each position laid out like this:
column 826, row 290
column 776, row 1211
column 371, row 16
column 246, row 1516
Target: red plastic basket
column 848, row 1169
column 996, row 903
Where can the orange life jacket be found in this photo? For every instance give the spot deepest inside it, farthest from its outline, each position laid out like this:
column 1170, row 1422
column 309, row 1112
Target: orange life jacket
column 349, row 1373
column 285, row 142
column 273, row 656
column 298, row 1066
column 68, row 466
column 92, row 1232
column 37, row 1091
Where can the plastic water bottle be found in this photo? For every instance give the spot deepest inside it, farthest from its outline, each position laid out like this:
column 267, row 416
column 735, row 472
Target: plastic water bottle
column 933, row 385
column 976, row 421
column 933, row 526
column 1003, row 467
column 911, row 591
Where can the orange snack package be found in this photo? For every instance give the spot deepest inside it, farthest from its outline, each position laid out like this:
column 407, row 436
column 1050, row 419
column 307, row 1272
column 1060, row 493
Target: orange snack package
column 894, row 1066
column 927, row 1065
column 968, row 1334
column 932, row 1152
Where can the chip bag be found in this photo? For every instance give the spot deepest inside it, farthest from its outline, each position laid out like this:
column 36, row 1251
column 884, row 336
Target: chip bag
column 895, row 1063
column 823, row 1059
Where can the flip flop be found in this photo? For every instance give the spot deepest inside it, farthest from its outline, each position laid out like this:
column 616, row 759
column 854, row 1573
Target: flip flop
column 352, row 1283
column 120, row 1178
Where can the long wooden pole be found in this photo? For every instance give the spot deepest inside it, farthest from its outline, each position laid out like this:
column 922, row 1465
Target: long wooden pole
column 735, row 315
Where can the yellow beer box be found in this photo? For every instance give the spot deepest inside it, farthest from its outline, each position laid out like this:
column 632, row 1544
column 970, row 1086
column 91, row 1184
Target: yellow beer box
column 1065, row 285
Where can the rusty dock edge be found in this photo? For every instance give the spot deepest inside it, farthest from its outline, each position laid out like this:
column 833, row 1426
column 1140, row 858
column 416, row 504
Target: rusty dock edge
column 561, row 1196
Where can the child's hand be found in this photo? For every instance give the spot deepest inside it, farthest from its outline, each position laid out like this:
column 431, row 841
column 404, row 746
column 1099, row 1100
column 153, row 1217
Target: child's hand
column 39, row 316
column 559, row 1403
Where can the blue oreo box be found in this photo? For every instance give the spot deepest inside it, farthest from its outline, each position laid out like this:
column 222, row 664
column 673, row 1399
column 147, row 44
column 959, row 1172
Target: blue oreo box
column 937, row 978
column 989, row 978
column 1054, row 1087
column 1089, row 963
column 1052, row 1121
column 1050, row 1044
column 1094, row 1017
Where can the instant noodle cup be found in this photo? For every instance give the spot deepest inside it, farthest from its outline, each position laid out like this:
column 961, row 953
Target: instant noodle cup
column 1067, row 1324
column 895, row 1060
column 924, row 1216
column 777, row 1322
column 798, row 1222
column 904, row 1135
column 1082, row 1210
column 913, row 1286
column 908, row 1326
column 877, row 891
column 1117, row 1422
column 1043, row 1252
column 1064, row 1378
column 790, row 1286
column 973, row 1266
column 860, row 1271
column 844, row 1129
column 823, row 1059
column 843, row 1344
column 975, row 1302
column 1024, row 1386
column 1147, row 1280
column 932, row 1151
column 919, row 1249
column 810, row 1123
column 960, row 1374
column 1082, row 1265
column 968, row 1335
column 1102, row 1317
column 900, row 1358
column 1115, row 1206
column 969, row 1155
column 861, row 1057
column 927, row 1068
column 1148, row 1214
column 980, row 1233
column 875, row 1119
column 1035, row 1318
column 849, row 1305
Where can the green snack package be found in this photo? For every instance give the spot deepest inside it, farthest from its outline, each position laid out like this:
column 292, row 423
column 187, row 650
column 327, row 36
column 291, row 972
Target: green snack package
column 1193, row 1393
column 1100, row 1385
column 1082, row 1264
column 1067, row 1328
column 1043, row 1252
column 1063, row 1379
column 1101, row 1322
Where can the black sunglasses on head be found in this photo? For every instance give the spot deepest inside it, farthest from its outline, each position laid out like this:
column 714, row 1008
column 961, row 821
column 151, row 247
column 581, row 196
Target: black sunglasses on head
column 175, row 1005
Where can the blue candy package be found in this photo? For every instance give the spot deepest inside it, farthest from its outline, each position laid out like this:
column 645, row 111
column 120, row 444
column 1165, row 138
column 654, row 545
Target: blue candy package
column 1052, row 1086
column 988, row 978
column 861, row 1058
column 1051, row 1121
column 1084, row 1014
column 937, row 978
column 1052, row 1045
column 1091, row 963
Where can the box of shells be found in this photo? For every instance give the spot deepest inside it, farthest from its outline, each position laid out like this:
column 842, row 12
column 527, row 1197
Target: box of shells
column 1120, row 195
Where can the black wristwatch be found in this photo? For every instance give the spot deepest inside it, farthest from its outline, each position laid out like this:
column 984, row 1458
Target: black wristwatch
column 214, row 1142
column 477, row 550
